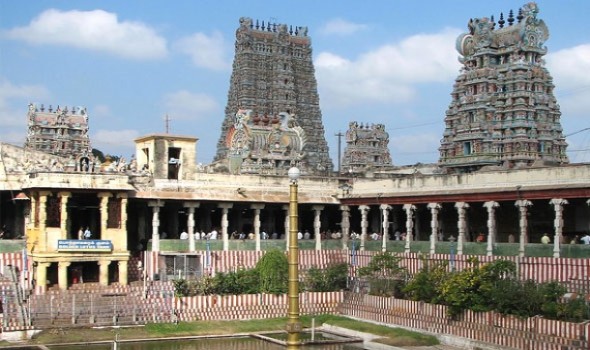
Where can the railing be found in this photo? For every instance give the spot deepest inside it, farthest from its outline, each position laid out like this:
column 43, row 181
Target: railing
column 469, row 248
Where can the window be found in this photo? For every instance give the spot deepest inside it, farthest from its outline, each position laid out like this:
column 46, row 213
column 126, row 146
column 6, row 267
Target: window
column 467, row 148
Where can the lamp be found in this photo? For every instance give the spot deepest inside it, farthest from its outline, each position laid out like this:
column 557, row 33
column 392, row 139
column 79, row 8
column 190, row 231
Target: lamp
column 293, row 323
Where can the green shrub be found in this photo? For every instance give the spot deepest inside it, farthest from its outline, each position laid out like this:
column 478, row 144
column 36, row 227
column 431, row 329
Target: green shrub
column 384, row 275
column 330, row 279
column 426, row 284
column 273, row 272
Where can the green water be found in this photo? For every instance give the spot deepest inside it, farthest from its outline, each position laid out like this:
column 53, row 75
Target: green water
column 242, row 343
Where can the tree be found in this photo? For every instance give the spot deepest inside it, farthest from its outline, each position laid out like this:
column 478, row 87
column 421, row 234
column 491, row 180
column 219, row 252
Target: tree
column 273, row 272
column 385, row 276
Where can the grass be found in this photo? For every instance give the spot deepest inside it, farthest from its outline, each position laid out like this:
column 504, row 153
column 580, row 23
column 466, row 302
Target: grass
column 388, row 335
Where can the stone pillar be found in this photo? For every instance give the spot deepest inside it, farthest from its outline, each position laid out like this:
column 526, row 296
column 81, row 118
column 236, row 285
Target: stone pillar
column 190, row 224
column 257, row 208
column 461, row 225
column 32, row 223
column 123, row 272
column 155, row 205
column 62, row 275
column 385, row 208
column 43, row 244
column 42, row 275
column 491, row 207
column 63, row 220
column 103, row 272
column 225, row 207
column 364, row 224
column 522, row 205
column 434, row 209
column 123, row 223
column 286, row 235
column 345, row 225
column 104, row 211
column 409, row 209
column 317, row 224
column 558, row 204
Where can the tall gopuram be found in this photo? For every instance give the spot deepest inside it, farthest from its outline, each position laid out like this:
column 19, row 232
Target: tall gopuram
column 61, row 131
column 272, row 118
column 367, row 148
column 503, row 110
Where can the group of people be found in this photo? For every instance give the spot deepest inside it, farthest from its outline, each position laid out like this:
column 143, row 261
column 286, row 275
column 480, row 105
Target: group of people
column 545, row 239
column 84, row 233
column 197, row 235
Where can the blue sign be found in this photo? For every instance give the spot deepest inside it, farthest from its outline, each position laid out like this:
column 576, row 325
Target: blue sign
column 84, row 245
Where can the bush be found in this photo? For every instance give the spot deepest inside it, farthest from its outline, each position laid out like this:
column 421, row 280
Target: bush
column 384, row 275
column 333, row 278
column 426, row 284
column 273, row 272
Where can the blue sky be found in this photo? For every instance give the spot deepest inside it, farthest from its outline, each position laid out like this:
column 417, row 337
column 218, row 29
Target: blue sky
column 131, row 63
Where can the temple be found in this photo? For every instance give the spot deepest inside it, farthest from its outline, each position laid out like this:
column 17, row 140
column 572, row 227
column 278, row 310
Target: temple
column 272, row 118
column 60, row 132
column 503, row 111
column 162, row 216
column 367, row 149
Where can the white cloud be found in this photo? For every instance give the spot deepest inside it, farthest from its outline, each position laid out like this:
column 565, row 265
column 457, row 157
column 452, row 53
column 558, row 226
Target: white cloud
column 205, row 51
column 569, row 68
column 14, row 100
column 108, row 139
column 101, row 111
column 94, row 30
column 185, row 105
column 389, row 74
column 340, row 26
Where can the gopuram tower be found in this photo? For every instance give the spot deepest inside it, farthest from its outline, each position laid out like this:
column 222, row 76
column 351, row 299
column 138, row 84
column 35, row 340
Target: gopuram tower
column 272, row 118
column 503, row 111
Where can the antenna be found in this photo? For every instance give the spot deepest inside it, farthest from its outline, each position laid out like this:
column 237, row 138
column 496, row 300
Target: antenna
column 167, row 123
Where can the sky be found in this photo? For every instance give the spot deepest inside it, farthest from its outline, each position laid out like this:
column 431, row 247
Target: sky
column 132, row 63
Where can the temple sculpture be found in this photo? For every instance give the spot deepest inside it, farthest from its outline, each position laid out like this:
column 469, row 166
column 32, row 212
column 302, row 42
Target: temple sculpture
column 274, row 85
column 367, row 148
column 262, row 144
column 61, row 132
column 503, row 110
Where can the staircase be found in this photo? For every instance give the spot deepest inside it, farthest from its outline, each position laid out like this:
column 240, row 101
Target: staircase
column 90, row 304
column 14, row 303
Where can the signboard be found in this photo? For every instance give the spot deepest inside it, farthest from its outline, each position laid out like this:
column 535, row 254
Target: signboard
column 84, row 245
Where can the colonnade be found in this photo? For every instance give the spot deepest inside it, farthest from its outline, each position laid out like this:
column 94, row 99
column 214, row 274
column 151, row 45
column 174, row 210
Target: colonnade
column 410, row 211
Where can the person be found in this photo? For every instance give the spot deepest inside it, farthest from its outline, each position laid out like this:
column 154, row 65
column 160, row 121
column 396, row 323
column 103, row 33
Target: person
column 87, row 233
column 545, row 239
column 184, row 235
column 299, row 235
column 585, row 239
column 375, row 236
column 81, row 233
column 306, row 235
column 481, row 237
column 511, row 238
column 397, row 235
column 575, row 239
column 213, row 234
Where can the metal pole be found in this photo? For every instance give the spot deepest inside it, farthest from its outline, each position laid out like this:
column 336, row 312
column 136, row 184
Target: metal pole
column 293, row 323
